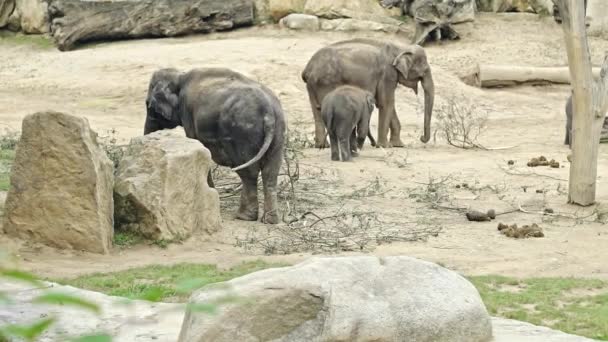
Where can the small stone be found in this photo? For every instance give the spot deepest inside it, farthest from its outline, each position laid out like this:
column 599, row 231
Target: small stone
column 549, row 211
column 491, row 214
column 511, row 162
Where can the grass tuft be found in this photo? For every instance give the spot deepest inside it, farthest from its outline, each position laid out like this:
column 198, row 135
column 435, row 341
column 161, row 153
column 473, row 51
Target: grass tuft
column 164, row 281
column 38, row 41
column 576, row 306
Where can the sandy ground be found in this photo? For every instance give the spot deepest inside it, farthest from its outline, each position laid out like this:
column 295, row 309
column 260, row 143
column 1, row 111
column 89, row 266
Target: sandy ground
column 107, row 83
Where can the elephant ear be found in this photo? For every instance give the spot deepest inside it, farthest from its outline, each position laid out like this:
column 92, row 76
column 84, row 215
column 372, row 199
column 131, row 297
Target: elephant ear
column 163, row 101
column 404, row 62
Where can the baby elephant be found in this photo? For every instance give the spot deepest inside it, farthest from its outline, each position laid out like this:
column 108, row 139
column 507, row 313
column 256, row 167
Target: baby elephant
column 346, row 112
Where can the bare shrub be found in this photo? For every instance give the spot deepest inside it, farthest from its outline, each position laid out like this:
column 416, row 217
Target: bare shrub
column 109, row 143
column 9, row 140
column 460, row 123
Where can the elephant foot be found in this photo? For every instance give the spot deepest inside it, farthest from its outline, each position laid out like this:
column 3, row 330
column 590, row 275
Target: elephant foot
column 397, row 143
column 247, row 215
column 383, row 144
column 270, row 217
column 354, row 154
column 321, row 144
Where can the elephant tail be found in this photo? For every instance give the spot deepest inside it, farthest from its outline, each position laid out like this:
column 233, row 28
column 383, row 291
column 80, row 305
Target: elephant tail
column 269, row 123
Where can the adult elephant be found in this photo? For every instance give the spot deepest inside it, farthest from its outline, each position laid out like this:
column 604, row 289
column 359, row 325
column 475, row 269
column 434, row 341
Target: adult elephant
column 240, row 121
column 374, row 66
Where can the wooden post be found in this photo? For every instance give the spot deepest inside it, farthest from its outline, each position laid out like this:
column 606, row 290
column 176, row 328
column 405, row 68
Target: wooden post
column 589, row 103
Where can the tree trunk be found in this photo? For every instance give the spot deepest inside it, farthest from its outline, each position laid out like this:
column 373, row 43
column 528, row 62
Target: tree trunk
column 589, row 104
column 488, row 76
column 74, row 21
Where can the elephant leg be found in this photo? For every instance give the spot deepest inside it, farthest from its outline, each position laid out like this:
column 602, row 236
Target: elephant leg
column 395, row 129
column 335, row 150
column 270, row 174
column 344, row 146
column 320, row 134
column 353, row 144
column 248, row 210
column 386, row 108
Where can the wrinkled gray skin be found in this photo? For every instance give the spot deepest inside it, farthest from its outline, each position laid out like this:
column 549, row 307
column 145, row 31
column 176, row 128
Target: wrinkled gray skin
column 346, row 112
column 568, row 139
column 568, row 135
column 240, row 121
column 377, row 67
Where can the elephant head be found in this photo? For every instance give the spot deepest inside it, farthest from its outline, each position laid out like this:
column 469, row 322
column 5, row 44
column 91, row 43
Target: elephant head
column 162, row 102
column 412, row 68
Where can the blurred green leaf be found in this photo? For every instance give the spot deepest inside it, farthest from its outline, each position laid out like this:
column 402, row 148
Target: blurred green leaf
column 189, row 285
column 28, row 332
column 94, row 338
column 66, row 299
column 20, row 276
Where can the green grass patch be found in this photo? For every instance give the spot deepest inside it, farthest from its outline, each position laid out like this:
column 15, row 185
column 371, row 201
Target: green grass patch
column 575, row 306
column 172, row 283
column 35, row 40
column 127, row 239
column 8, row 143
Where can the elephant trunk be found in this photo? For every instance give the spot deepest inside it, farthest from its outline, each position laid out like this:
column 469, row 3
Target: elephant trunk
column 150, row 126
column 429, row 99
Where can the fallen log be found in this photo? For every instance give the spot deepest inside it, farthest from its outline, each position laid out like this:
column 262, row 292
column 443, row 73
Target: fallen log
column 488, row 76
column 75, row 22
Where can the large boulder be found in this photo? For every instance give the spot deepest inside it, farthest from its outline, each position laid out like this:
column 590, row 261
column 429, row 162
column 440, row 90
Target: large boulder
column 343, row 299
column 6, row 9
column 161, row 189
column 30, row 16
column 119, row 321
column 61, row 185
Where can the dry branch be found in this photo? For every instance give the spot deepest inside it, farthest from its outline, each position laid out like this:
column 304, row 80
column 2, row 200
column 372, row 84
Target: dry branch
column 488, row 76
column 74, row 21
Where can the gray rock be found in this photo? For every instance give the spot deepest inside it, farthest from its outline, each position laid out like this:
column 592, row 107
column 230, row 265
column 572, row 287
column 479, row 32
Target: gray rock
column 161, row 189
column 61, row 185
column 298, row 21
column 6, row 9
column 508, row 330
column 344, row 299
column 126, row 321
column 31, row 16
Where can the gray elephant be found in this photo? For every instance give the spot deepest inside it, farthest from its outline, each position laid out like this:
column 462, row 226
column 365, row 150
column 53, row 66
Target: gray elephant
column 568, row 135
column 346, row 112
column 568, row 139
column 376, row 67
column 240, row 121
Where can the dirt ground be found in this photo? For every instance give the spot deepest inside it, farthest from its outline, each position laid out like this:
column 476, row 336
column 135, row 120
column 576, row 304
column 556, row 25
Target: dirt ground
column 107, row 84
